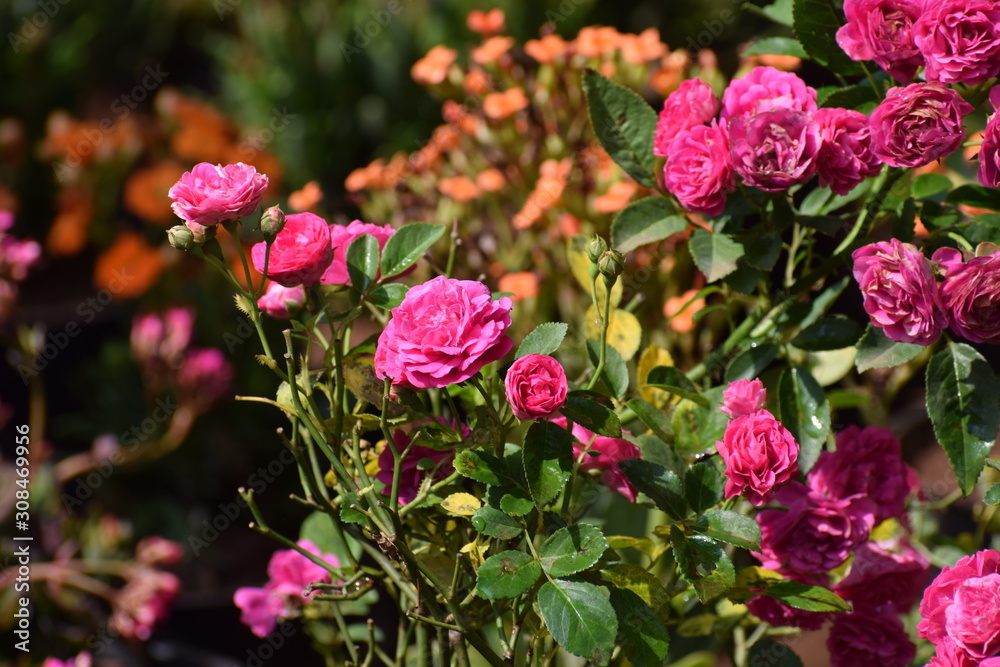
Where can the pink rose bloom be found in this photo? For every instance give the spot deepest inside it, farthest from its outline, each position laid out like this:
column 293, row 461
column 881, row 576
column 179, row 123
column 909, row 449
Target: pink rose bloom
column 300, row 253
column 536, row 387
column 816, row 534
column 156, row 550
column 340, row 239
column 867, row 462
column 879, row 576
column 412, row 477
column 699, row 170
column 918, row 124
column 950, row 655
column 778, row 614
column 760, row 454
column 280, row 302
column 210, row 194
column 443, row 333
column 162, row 337
column 959, row 40
column 610, row 452
column 882, row 30
column 962, row 605
column 900, row 293
column 971, row 294
column 764, row 89
column 259, row 608
column 692, row 104
column 774, row 150
column 869, row 637
column 143, row 603
column 989, row 153
column 204, row 377
column 743, row 397
column 17, row 257
column 845, row 158
column 82, row 660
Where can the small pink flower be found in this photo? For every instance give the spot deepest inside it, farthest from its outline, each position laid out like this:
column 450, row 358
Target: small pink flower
column 764, row 89
column 84, row 659
column 17, row 256
column 760, row 455
column 869, row 637
column 536, row 387
column 959, row 40
column 156, row 550
column 260, row 609
column 443, row 333
column 411, row 477
column 774, row 150
column 204, row 377
column 289, row 572
column 900, row 294
column 918, row 124
column 163, row 338
column 143, row 603
column 611, row 452
column 699, row 170
column 692, row 104
column 340, row 239
column 981, row 571
column 971, row 294
column 281, row 302
column 777, row 614
column 743, row 397
column 300, row 254
column 879, row 576
column 210, row 194
column 845, row 159
column 882, row 30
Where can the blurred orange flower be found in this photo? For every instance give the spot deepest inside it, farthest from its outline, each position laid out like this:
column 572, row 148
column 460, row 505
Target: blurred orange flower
column 128, row 267
column 306, row 198
column 596, row 41
column 68, row 233
column 547, row 49
column 486, row 23
column 616, row 198
column 146, row 190
column 491, row 50
column 665, row 79
column 683, row 317
column 460, row 188
column 204, row 134
column 640, row 49
column 553, row 176
column 502, row 105
column 523, row 285
column 364, row 177
column 476, row 82
column 432, row 69
column 491, row 180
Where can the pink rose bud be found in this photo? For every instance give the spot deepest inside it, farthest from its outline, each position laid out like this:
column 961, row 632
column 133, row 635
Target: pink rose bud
column 882, row 30
column 692, row 104
column 845, row 158
column 900, row 293
column 962, row 605
column 610, row 452
column 699, row 170
column 340, row 239
column 280, row 302
column 959, row 40
column 869, row 636
column 760, row 455
column 443, row 333
column 536, row 387
column 300, row 253
column 971, row 294
column 918, row 124
column 210, row 194
column 764, row 89
column 743, row 397
column 774, row 150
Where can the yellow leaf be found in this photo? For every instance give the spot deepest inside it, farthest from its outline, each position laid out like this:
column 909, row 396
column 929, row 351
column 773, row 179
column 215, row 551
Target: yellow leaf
column 477, row 551
column 462, row 504
column 651, row 357
column 579, row 264
column 624, row 332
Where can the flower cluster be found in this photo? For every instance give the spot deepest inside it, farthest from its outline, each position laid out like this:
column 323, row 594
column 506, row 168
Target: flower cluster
column 16, row 258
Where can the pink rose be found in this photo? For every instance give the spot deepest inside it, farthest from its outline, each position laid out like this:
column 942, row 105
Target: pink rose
column 162, row 338
column 774, row 150
column 210, row 194
column 17, row 256
column 918, row 124
column 879, row 576
column 692, row 104
column 340, row 239
column 760, row 454
column 84, row 659
column 816, row 534
column 280, row 302
column 204, row 377
column 764, row 89
column 411, row 477
column 443, row 333
column 962, row 605
column 777, row 614
column 259, row 609
column 143, row 603
column 845, row 158
column 300, row 253
column 971, row 294
column 536, row 387
column 900, row 294
column 882, row 30
column 950, row 655
column 959, row 40
column 869, row 637
column 743, row 397
column 610, row 452
column 989, row 153
column 156, row 550
column 699, row 171
column 867, row 462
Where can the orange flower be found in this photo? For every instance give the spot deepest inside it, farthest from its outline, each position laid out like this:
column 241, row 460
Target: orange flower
column 616, row 198
column 460, row 188
column 363, row 178
column 547, row 193
column 547, row 49
column 665, row 79
column 523, row 285
column 205, row 135
column 569, row 225
column 486, row 23
column 596, row 41
column 68, row 233
column 640, row 49
column 445, row 138
column 128, row 267
column 453, row 112
column 491, row 180
column 306, row 198
column 477, row 82
column 146, row 192
column 492, row 49
column 432, row 69
column 683, row 317
column 395, row 171
column 502, row 105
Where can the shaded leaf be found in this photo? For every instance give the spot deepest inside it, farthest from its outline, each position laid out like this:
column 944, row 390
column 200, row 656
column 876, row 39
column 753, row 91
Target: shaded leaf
column 493, row 522
column 645, row 641
column 702, row 563
column 730, row 527
column 592, row 416
column 704, row 484
column 816, row 23
column 714, row 253
column 624, row 124
column 507, row 574
column 580, row 618
column 661, row 485
column 804, row 410
column 876, row 350
column 615, row 373
column 806, row 597
column 572, row 549
column 645, row 221
column 548, row 460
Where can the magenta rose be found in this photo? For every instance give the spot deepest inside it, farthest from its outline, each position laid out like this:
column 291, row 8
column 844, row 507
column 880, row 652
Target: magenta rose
column 692, row 104
column 918, row 124
column 882, row 30
column 442, row 333
column 280, row 302
column 962, row 605
column 743, row 397
column 989, row 153
column 778, row 614
column 867, row 462
column 948, row 654
column 411, row 476
column 959, row 40
column 204, row 377
column 880, row 576
column 210, row 194
column 816, row 534
column 845, row 158
column 340, row 239
column 300, row 253
column 774, row 150
column 900, row 294
column 971, row 294
column 760, row 455
column 869, row 637
column 536, row 387
column 610, row 452
column 764, row 89
column 699, row 170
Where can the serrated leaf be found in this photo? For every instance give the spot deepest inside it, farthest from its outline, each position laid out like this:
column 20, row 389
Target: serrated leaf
column 482, row 467
column 388, row 295
column 592, row 416
column 615, row 373
column 992, row 496
column 631, row 577
column 362, row 261
column 704, row 484
column 816, row 23
column 806, row 597
column 624, row 124
column 493, row 522
column 462, row 504
column 572, row 549
column 696, row 428
column 661, row 485
column 730, row 527
column 714, row 253
column 516, row 502
column 833, row 332
column 851, row 97
column 763, row 253
column 544, row 339
column 653, row 417
column 580, row 618
column 507, row 574
column 804, row 410
column 671, row 380
column 645, row 221
column 406, row 246
column 548, row 460
column 651, row 357
column 702, row 563
column 876, row 350
column 750, row 581
column 779, row 46
column 749, row 364
column 645, row 641
column 975, row 195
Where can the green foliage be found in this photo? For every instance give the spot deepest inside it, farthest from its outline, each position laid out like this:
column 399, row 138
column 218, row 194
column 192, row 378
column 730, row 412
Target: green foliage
column 544, row 339
column 507, row 574
column 362, row 261
column 730, row 527
column 580, row 617
column 493, row 522
column 645, row 640
column 806, row 597
column 615, row 373
column 805, row 411
column 816, row 23
column 704, row 483
column 592, row 415
column 715, row 254
column 406, row 246
column 572, row 549
column 672, row 380
column 645, row 221
column 661, row 485
column 703, row 564
column 548, row 460
column 624, row 124
column 876, row 350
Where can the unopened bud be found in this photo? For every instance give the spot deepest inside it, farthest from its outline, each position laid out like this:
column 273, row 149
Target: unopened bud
column 612, row 264
column 272, row 221
column 180, row 237
column 596, row 249
column 202, row 233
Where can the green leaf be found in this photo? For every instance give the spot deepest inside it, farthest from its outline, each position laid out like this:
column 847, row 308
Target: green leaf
column 816, row 24
column 730, row 527
column 697, row 428
column 572, row 549
column 992, row 496
column 548, row 460
column 704, row 484
column 515, row 502
column 615, row 373
column 779, row 46
column 624, row 124
column 926, row 186
column 962, row 402
column 544, row 339
column 592, row 416
column 714, row 253
column 388, row 295
column 661, row 485
column 645, row 221
column 779, row 11
column 580, row 618
column 482, row 467
column 491, row 521
column 805, row 412
column 806, row 597
column 751, row 363
column 875, row 350
column 833, row 332
column 634, row 578
column 702, row 563
column 507, row 574
column 763, row 253
column 406, row 246
column 769, row 653
column 851, row 97
column 362, row 261
column 672, row 380
column 653, row 417
column 644, row 639
column 975, row 195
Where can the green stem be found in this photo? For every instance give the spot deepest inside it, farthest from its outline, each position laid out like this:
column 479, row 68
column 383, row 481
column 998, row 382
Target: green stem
column 605, row 323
